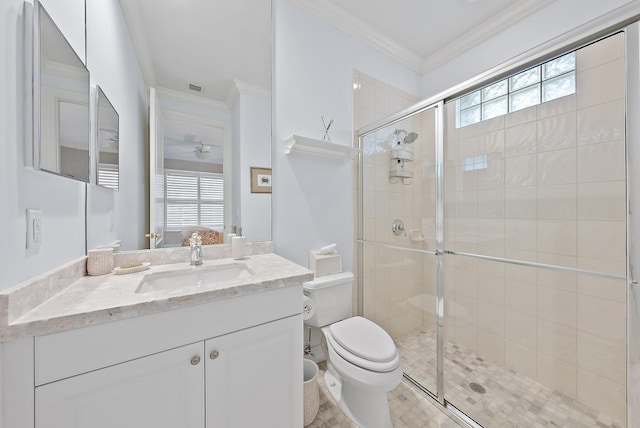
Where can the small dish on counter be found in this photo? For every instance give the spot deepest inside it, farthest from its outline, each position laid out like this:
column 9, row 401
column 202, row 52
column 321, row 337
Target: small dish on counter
column 127, row 268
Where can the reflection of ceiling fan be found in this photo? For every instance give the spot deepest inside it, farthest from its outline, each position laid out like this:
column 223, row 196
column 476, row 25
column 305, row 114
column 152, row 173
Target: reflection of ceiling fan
column 202, row 150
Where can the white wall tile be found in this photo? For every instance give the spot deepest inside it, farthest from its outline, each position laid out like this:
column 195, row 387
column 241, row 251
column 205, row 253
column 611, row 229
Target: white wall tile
column 561, row 280
column 601, row 393
column 557, row 306
column 602, row 357
column 520, row 358
column 557, row 167
column 557, row 237
column 491, row 203
column 521, row 296
column 521, row 234
column 605, row 288
column 602, row 240
column 602, row 317
column 601, row 123
column 594, row 78
column 601, row 162
column 557, row 132
column 521, row 203
column 557, row 340
column 557, row 202
column 521, row 171
column 491, row 346
column 521, row 140
column 602, row 201
column 491, row 318
column 599, row 53
column 557, row 374
column 521, row 328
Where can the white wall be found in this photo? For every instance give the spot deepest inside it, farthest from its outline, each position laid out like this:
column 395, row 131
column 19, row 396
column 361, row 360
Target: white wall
column 313, row 76
column 252, row 147
column 113, row 65
column 554, row 20
column 60, row 199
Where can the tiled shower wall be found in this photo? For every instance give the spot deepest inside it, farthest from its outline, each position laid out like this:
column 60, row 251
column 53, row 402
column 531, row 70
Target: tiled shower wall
column 396, row 294
column 553, row 192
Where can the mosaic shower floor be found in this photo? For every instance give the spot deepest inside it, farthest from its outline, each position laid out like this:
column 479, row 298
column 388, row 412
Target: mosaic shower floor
column 508, row 400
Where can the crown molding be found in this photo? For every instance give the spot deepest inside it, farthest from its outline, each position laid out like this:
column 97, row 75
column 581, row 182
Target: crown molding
column 358, row 29
column 503, row 20
column 133, row 15
column 238, row 87
column 192, row 99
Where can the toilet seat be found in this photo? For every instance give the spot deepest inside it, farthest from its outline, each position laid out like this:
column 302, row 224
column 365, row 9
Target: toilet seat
column 364, row 344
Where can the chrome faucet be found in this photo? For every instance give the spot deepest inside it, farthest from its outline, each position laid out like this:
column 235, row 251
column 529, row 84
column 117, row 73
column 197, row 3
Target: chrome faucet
column 196, row 249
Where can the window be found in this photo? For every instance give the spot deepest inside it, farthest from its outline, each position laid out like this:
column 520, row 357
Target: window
column 546, row 82
column 108, row 175
column 194, row 198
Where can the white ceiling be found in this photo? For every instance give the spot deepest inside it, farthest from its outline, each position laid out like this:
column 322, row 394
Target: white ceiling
column 212, row 42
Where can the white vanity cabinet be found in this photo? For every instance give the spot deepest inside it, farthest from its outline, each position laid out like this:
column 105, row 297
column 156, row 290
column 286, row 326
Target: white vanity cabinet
column 248, row 379
column 236, row 362
column 161, row 390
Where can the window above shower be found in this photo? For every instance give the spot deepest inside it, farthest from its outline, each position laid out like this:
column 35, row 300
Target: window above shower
column 548, row 81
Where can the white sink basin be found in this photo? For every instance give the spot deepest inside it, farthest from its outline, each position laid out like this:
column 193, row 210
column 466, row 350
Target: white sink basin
column 195, row 277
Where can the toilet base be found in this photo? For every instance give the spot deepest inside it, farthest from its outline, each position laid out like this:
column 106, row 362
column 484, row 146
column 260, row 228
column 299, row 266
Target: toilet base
column 367, row 409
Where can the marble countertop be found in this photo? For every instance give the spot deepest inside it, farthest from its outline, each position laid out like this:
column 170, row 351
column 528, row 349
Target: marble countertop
column 97, row 299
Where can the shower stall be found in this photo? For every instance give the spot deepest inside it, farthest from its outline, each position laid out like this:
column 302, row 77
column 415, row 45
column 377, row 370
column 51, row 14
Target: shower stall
column 492, row 242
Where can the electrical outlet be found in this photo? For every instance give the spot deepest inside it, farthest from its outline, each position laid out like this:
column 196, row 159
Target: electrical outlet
column 34, row 228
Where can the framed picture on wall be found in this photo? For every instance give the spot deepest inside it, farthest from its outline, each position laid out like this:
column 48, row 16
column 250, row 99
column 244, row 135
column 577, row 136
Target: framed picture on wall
column 260, row 180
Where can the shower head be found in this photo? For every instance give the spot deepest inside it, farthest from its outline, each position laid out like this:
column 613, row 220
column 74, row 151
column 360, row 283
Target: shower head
column 409, row 137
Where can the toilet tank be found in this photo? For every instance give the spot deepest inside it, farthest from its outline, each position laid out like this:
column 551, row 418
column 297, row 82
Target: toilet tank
column 331, row 296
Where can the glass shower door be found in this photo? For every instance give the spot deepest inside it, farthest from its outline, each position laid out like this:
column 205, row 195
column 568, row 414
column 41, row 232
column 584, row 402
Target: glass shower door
column 535, row 234
column 397, row 239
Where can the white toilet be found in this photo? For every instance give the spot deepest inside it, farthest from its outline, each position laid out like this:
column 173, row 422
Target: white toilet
column 363, row 364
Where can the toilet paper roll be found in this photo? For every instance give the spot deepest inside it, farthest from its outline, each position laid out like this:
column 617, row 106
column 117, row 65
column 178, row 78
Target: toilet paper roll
column 308, row 308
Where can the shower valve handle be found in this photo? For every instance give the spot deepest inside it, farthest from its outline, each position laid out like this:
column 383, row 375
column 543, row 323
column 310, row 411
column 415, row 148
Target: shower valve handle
column 398, row 227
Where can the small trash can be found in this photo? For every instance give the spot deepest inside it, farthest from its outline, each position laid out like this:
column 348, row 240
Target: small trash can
column 311, row 392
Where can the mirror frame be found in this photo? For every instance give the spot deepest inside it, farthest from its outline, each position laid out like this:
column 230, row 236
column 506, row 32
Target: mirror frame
column 38, row 11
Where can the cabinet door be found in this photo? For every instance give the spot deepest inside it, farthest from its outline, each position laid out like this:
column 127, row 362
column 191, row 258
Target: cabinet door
column 161, row 390
column 254, row 377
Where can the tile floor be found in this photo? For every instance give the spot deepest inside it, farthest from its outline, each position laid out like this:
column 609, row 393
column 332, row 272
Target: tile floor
column 510, row 399
column 409, row 409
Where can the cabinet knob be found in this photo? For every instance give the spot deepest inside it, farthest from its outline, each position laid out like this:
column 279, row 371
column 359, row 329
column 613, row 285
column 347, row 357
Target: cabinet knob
column 214, row 354
column 195, row 360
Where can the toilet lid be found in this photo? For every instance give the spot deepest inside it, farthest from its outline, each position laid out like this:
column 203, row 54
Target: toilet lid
column 364, row 339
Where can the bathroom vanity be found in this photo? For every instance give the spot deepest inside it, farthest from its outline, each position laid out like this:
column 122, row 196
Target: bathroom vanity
column 222, row 354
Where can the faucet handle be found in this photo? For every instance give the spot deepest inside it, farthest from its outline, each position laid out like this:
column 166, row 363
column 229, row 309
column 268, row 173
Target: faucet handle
column 195, row 240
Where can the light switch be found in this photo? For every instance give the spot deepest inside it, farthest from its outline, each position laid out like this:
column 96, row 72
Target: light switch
column 34, row 228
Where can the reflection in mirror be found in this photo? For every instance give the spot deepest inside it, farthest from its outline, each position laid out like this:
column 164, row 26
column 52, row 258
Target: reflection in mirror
column 108, row 142
column 200, row 73
column 194, row 181
column 63, row 128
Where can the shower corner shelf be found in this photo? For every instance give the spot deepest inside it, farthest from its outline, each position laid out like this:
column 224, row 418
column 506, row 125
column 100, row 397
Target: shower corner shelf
column 318, row 147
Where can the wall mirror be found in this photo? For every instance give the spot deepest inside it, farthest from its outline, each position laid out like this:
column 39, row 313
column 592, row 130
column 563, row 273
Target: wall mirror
column 107, row 138
column 196, row 78
column 61, row 102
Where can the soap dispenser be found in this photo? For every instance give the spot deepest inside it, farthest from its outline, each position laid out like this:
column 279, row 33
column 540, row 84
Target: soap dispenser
column 238, row 245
